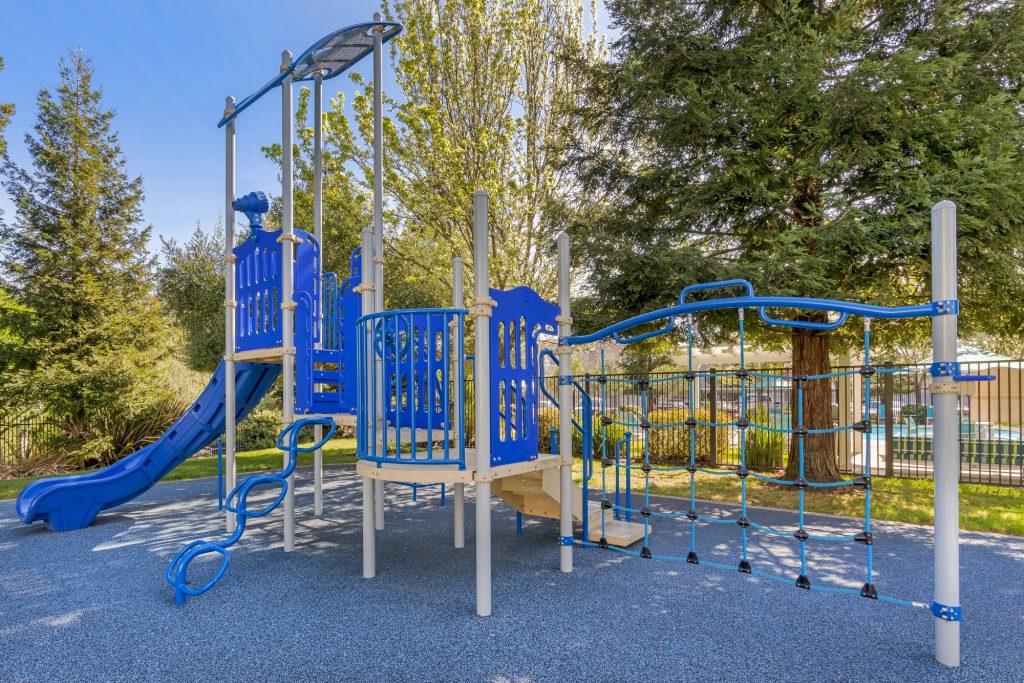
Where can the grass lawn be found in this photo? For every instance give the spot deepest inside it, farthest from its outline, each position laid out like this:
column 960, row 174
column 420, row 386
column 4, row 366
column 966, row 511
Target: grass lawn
column 982, row 508
column 337, row 451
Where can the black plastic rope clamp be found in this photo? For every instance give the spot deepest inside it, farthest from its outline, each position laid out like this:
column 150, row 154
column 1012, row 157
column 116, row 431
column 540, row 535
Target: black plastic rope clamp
column 800, row 483
column 645, row 511
column 803, row 582
column 646, row 468
column 691, row 468
column 801, row 535
column 743, row 522
column 690, row 422
column 692, row 515
column 645, row 424
column 742, row 472
column 602, row 380
column 863, row 481
column 643, row 384
column 691, row 557
column 864, row 426
column 605, row 420
column 867, row 370
column 603, row 543
column 745, row 567
column 864, row 537
column 868, row 590
column 741, row 373
column 689, row 375
column 743, row 422
column 607, row 462
column 800, row 430
column 645, row 553
column 798, row 378
column 606, row 504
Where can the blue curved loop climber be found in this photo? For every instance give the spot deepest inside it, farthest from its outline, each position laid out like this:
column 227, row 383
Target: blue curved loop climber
column 237, row 502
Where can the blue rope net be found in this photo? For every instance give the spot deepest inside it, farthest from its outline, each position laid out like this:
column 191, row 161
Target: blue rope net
column 620, row 457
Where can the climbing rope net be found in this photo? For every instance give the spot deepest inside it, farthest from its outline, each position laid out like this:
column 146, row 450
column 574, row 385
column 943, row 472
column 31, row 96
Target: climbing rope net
column 622, row 507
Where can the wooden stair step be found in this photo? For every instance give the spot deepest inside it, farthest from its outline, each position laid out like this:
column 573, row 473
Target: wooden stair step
column 619, row 533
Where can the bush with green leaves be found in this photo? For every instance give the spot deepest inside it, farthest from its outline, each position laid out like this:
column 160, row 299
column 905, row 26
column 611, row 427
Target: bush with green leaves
column 259, row 429
column 764, row 449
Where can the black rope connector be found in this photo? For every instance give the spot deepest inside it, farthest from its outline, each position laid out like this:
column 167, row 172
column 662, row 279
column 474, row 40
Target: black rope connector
column 864, row 426
column 864, row 537
column 743, row 422
column 692, row 515
column 862, row 482
column 645, row 511
column 867, row 370
column 607, row 462
column 741, row 374
column 799, row 430
column 603, row 543
column 868, row 590
column 689, row 375
column 692, row 558
column 691, row 468
column 646, row 468
column 803, row 582
column 799, row 378
column 743, row 522
column 645, row 553
column 605, row 420
column 606, row 504
column 800, row 483
column 745, row 567
column 690, row 422
column 742, row 472
column 645, row 424
column 643, row 384
column 602, row 379
column 801, row 535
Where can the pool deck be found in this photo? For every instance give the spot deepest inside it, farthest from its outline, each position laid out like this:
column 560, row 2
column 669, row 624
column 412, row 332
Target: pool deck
column 92, row 605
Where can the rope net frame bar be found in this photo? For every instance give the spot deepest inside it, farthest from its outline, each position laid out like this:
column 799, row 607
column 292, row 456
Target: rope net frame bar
column 694, row 517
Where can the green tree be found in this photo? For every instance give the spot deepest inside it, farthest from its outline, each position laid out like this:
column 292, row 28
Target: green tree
column 6, row 112
column 801, row 145
column 75, row 256
column 190, row 283
column 482, row 89
column 346, row 206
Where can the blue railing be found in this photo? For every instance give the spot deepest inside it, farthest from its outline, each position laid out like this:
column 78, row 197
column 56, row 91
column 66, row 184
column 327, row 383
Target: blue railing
column 411, row 386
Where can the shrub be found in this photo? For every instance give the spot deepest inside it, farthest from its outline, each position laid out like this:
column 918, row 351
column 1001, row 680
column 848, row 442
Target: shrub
column 917, row 411
column 259, row 429
column 671, row 445
column 764, row 449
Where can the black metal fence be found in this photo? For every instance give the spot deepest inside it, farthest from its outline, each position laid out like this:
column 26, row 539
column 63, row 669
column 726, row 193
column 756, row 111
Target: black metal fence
column 23, row 435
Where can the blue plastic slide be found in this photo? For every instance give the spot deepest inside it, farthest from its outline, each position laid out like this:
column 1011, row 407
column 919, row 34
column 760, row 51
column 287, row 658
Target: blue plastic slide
column 67, row 503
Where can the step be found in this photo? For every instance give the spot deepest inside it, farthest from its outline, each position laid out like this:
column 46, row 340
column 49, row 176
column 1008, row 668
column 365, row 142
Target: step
column 619, row 533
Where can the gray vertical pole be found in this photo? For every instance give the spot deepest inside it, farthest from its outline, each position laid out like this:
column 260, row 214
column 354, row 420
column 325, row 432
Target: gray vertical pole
column 890, row 419
column 565, row 409
column 458, row 301
column 229, row 307
column 947, row 456
column 482, row 383
column 287, row 287
column 318, row 233
column 378, row 222
column 713, row 414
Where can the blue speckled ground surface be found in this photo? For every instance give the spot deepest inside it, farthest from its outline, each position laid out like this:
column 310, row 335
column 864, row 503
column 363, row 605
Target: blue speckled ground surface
column 91, row 605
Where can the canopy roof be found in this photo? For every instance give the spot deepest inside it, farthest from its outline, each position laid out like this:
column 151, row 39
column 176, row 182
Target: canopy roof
column 332, row 55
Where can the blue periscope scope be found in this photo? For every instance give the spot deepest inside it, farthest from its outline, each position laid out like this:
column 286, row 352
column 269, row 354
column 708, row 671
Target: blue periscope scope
column 253, row 205
column 237, row 502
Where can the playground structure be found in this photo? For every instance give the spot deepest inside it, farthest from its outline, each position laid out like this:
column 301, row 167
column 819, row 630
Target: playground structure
column 400, row 378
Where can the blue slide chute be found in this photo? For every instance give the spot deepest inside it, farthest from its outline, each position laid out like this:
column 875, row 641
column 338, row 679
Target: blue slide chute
column 67, row 503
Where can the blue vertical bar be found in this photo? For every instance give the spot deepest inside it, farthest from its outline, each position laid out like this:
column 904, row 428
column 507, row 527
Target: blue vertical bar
column 412, row 337
column 429, row 355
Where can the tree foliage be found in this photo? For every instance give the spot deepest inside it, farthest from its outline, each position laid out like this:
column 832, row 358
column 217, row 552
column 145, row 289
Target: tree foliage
column 190, row 283
column 6, row 112
column 74, row 256
column 801, row 145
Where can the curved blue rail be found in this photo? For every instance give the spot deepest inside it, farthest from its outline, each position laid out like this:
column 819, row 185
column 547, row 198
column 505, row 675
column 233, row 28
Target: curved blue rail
column 762, row 303
column 238, row 502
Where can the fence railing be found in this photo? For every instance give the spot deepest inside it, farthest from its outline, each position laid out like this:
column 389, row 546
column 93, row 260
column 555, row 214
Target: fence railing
column 21, row 435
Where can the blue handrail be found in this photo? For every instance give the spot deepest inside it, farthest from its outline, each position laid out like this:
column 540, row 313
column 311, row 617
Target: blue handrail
column 720, row 284
column 812, row 304
column 237, row 502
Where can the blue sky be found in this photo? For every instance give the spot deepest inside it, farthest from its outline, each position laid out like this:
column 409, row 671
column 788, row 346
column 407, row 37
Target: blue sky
column 166, row 67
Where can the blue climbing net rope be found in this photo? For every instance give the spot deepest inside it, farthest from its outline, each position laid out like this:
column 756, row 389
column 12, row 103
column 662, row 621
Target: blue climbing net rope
column 238, row 503
column 623, row 507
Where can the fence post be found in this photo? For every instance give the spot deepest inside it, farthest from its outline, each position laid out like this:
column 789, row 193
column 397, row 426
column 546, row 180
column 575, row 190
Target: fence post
column 713, row 418
column 890, row 417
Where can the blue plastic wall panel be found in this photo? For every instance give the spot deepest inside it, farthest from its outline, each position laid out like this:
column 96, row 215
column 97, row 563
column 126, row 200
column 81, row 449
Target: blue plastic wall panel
column 350, row 309
column 520, row 316
column 258, row 287
column 415, row 375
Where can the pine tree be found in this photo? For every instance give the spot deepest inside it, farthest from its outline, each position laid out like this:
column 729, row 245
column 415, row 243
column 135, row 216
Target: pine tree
column 800, row 144
column 75, row 256
column 6, row 112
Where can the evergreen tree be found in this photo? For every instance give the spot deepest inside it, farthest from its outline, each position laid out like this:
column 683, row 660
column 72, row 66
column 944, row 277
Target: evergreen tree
column 6, row 112
column 191, row 285
column 75, row 256
column 801, row 145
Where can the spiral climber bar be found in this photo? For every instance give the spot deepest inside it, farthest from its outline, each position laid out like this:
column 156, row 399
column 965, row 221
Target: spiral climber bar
column 238, row 503
column 617, row 453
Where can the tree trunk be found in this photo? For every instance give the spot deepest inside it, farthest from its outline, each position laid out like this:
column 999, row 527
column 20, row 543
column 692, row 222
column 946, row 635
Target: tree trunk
column 810, row 357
